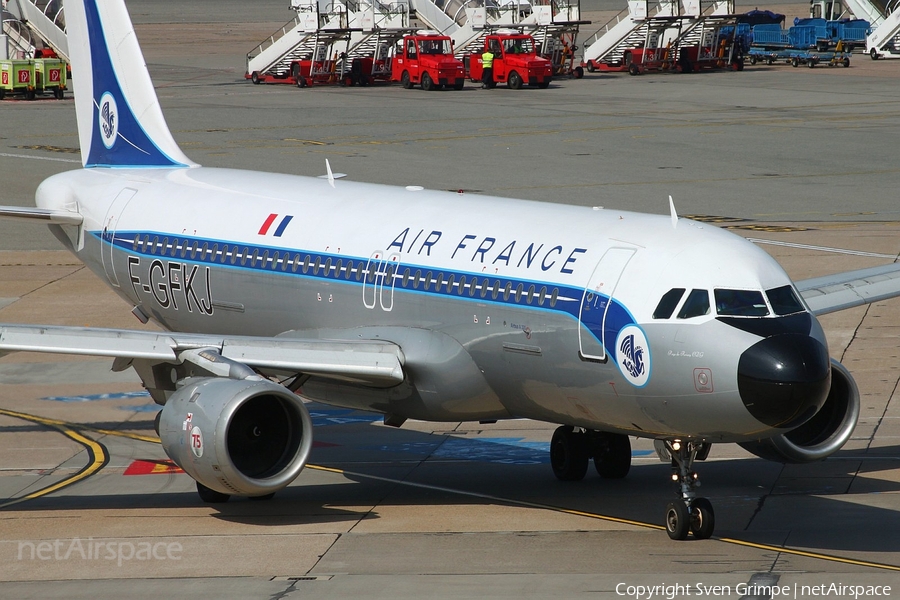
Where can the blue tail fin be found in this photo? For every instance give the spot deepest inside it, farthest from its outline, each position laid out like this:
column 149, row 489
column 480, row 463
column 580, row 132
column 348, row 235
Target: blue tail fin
column 120, row 123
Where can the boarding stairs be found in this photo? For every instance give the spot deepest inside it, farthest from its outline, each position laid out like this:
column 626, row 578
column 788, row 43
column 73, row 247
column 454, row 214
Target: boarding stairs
column 885, row 39
column 44, row 19
column 20, row 43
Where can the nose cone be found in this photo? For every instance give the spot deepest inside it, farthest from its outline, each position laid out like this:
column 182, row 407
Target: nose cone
column 784, row 379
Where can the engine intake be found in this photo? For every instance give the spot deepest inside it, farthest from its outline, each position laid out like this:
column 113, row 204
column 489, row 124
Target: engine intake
column 822, row 435
column 243, row 437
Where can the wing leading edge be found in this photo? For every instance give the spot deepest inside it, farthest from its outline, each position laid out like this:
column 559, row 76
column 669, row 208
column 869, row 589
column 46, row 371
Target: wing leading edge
column 368, row 362
column 832, row 293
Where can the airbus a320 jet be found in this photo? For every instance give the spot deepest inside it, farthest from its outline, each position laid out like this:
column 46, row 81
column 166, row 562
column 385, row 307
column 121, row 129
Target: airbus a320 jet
column 272, row 289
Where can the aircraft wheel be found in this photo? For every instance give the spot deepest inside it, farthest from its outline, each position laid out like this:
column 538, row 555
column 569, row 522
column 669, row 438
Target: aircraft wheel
column 873, row 53
column 211, row 496
column 678, row 520
column 514, row 82
column 263, row 498
column 703, row 519
column 405, row 81
column 427, row 82
column 611, row 453
column 254, row 77
column 568, row 454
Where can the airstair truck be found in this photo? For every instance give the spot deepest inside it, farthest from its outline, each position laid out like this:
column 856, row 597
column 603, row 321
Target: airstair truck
column 426, row 58
column 516, row 61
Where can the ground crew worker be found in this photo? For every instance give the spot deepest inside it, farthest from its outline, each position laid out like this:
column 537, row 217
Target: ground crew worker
column 487, row 65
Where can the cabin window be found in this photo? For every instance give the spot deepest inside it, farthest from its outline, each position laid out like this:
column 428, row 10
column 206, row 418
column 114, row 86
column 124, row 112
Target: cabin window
column 784, row 301
column 740, row 303
column 389, row 276
column 553, row 297
column 696, row 305
column 542, row 295
column 472, row 286
column 450, row 281
column 506, row 291
column 180, row 246
column 462, row 285
column 427, row 281
column 529, row 297
column 519, row 289
column 326, row 270
column 668, row 303
column 417, row 279
column 495, row 290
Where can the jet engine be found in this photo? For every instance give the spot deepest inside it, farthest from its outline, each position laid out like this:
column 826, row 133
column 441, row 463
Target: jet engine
column 243, row 437
column 824, row 434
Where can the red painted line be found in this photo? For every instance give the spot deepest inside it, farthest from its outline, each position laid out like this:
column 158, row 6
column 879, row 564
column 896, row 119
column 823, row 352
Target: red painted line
column 152, row 467
column 265, row 228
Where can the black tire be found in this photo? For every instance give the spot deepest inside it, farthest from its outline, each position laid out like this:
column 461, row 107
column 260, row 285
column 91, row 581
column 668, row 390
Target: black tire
column 514, row 81
column 405, row 81
column 254, row 77
column 703, row 519
column 459, row 84
column 211, row 496
column 299, row 79
column 752, row 60
column 545, row 84
column 579, row 72
column 770, row 61
column 845, row 63
column 590, row 66
column 633, row 69
column 568, row 454
column 59, row 93
column 795, row 62
column 30, row 95
column 262, row 498
column 611, row 453
column 427, row 82
column 2, row 94
column 811, row 63
column 678, row 520
column 156, row 422
column 873, row 53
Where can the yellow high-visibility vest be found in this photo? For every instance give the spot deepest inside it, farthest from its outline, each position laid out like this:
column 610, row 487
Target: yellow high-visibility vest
column 487, row 60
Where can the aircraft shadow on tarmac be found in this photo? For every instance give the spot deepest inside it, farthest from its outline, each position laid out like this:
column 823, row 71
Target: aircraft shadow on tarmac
column 809, row 506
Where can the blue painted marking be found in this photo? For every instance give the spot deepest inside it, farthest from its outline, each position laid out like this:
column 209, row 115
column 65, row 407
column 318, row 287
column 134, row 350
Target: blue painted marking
column 283, row 225
column 326, row 415
column 143, row 408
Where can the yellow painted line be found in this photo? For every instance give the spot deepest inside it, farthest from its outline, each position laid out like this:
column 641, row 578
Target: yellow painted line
column 97, row 456
column 589, row 515
column 57, row 424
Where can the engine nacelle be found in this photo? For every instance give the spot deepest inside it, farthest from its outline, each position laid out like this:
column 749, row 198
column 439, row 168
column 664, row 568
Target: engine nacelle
column 242, row 437
column 825, row 433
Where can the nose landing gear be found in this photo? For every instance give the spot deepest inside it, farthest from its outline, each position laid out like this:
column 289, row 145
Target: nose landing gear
column 688, row 514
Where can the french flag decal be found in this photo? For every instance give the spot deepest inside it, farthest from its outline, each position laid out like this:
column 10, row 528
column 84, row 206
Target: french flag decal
column 264, row 230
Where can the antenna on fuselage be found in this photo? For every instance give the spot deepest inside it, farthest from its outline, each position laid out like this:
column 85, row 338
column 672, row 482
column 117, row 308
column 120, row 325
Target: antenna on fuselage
column 671, row 211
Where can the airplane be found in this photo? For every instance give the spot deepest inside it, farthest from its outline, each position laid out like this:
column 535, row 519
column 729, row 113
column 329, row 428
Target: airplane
column 275, row 289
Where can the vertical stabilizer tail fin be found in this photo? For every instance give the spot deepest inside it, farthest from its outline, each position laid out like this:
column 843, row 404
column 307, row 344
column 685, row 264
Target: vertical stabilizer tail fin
column 120, row 122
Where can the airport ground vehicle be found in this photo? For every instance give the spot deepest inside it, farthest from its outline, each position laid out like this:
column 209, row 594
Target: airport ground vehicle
column 426, row 58
column 33, row 77
column 516, row 61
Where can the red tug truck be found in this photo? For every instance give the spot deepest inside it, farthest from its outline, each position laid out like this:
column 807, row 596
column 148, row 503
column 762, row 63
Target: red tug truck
column 426, row 58
column 516, row 61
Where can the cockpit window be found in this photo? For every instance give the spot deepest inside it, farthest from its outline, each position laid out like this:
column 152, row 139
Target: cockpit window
column 740, row 303
column 667, row 305
column 696, row 305
column 784, row 301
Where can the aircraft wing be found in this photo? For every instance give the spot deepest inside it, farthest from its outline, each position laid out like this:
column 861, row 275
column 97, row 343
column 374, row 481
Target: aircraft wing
column 852, row 288
column 369, row 362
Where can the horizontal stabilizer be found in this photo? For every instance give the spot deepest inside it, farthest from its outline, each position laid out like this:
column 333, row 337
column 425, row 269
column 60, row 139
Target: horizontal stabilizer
column 57, row 217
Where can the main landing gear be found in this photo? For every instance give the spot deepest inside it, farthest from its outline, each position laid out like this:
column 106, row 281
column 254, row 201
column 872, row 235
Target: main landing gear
column 688, row 514
column 571, row 450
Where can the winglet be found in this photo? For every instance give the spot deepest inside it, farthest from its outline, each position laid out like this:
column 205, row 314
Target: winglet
column 673, row 213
